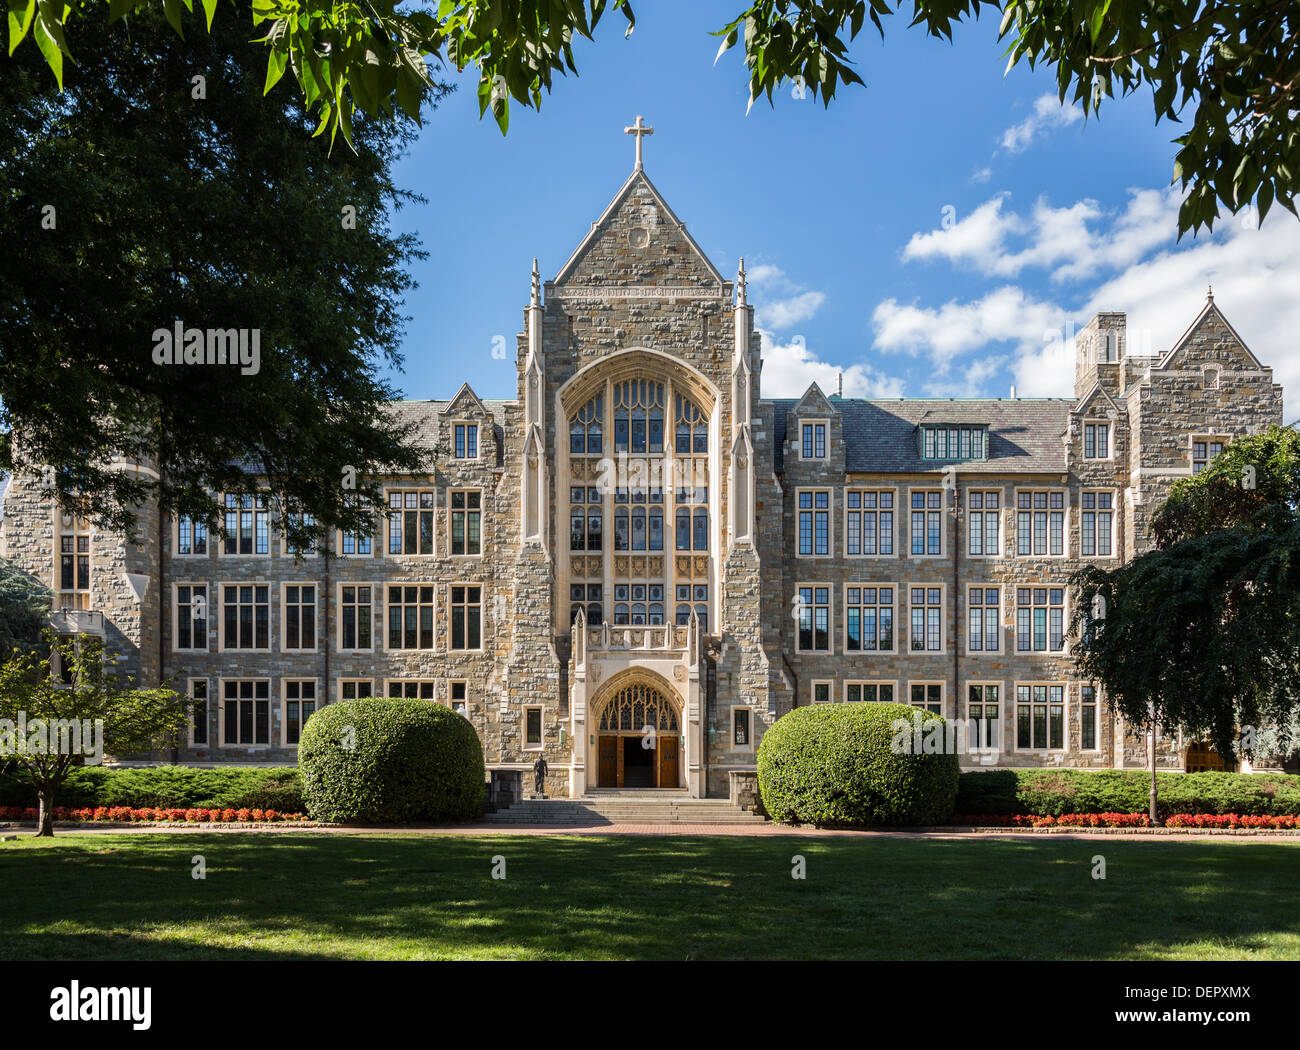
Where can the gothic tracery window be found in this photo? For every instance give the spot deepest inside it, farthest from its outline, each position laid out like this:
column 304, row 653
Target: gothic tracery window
column 692, row 427
column 639, row 416
column 585, row 428
column 635, row 707
column 639, row 518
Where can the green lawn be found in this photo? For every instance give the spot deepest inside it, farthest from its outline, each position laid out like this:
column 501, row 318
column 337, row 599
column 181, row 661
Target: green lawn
column 579, row 897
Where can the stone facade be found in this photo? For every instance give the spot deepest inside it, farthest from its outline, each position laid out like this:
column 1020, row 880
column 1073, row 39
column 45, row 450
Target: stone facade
column 695, row 551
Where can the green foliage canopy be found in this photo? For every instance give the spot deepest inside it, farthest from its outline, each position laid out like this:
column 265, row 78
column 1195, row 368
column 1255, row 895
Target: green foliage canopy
column 137, row 199
column 1203, row 632
column 24, row 609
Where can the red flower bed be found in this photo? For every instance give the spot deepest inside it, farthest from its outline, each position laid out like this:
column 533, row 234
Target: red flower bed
column 1066, row 820
column 124, row 814
column 1231, row 820
column 1124, row 820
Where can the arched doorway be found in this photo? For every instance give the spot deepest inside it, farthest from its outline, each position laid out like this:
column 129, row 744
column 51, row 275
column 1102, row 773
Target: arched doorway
column 638, row 738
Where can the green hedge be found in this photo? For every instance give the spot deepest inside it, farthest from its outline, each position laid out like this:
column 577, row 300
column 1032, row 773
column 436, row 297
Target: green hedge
column 1051, row 792
column 834, row 765
column 380, row 761
column 170, row 787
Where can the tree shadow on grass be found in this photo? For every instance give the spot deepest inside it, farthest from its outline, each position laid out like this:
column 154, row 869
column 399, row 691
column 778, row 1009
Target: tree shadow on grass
column 610, row 897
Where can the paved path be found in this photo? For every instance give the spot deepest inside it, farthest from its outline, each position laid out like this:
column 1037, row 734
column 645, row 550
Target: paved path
column 673, row 830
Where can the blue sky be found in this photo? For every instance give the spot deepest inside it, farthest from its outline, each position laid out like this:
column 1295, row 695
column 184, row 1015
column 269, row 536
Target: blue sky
column 937, row 233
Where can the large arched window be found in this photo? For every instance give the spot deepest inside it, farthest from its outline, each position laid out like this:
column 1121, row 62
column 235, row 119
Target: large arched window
column 633, row 522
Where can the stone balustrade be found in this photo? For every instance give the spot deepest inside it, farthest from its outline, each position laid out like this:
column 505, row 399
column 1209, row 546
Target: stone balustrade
column 657, row 637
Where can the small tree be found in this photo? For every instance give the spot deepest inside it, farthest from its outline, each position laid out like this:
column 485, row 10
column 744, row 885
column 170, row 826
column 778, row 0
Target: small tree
column 24, row 609
column 1203, row 632
column 61, row 705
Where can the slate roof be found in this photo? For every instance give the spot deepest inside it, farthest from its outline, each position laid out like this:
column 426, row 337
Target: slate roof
column 880, row 436
column 425, row 413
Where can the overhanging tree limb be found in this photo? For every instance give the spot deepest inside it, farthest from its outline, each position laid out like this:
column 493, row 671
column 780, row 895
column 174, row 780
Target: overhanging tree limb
column 1238, row 63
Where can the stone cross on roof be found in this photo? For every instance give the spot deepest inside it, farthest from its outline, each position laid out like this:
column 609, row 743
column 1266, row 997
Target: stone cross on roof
column 639, row 129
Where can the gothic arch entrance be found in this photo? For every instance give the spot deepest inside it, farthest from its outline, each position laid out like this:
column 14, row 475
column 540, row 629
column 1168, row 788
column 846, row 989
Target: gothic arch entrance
column 638, row 737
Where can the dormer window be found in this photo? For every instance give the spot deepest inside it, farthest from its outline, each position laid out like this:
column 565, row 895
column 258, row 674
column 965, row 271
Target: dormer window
column 1096, row 441
column 952, row 442
column 466, row 436
column 813, row 440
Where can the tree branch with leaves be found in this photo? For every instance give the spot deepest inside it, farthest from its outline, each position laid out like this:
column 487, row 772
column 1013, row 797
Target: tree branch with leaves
column 1235, row 66
column 1202, row 633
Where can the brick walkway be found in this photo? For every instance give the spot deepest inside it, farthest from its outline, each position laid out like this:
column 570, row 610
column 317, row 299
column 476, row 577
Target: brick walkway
column 668, row 830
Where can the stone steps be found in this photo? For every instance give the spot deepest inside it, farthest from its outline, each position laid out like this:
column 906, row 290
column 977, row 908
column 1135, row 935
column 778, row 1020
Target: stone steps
column 624, row 808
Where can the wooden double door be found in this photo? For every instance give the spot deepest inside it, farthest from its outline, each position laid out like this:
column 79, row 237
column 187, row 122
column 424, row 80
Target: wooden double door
column 625, row 760
column 638, row 739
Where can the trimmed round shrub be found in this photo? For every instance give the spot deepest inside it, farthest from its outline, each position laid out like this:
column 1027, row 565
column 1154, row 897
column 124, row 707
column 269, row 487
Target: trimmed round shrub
column 379, row 761
column 838, row 764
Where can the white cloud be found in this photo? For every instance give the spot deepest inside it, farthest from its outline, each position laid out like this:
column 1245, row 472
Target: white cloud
column 978, row 238
column 1048, row 113
column 764, row 274
column 790, row 368
column 1131, row 262
column 942, row 334
column 782, row 313
column 778, row 301
column 974, row 379
column 1071, row 242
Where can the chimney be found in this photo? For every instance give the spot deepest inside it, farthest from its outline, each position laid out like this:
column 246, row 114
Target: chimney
column 1100, row 348
column 1013, row 391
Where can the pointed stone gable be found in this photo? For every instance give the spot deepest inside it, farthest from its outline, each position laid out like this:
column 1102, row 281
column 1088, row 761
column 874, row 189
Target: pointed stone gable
column 639, row 241
column 1210, row 341
column 815, row 403
column 466, row 405
column 1097, row 403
